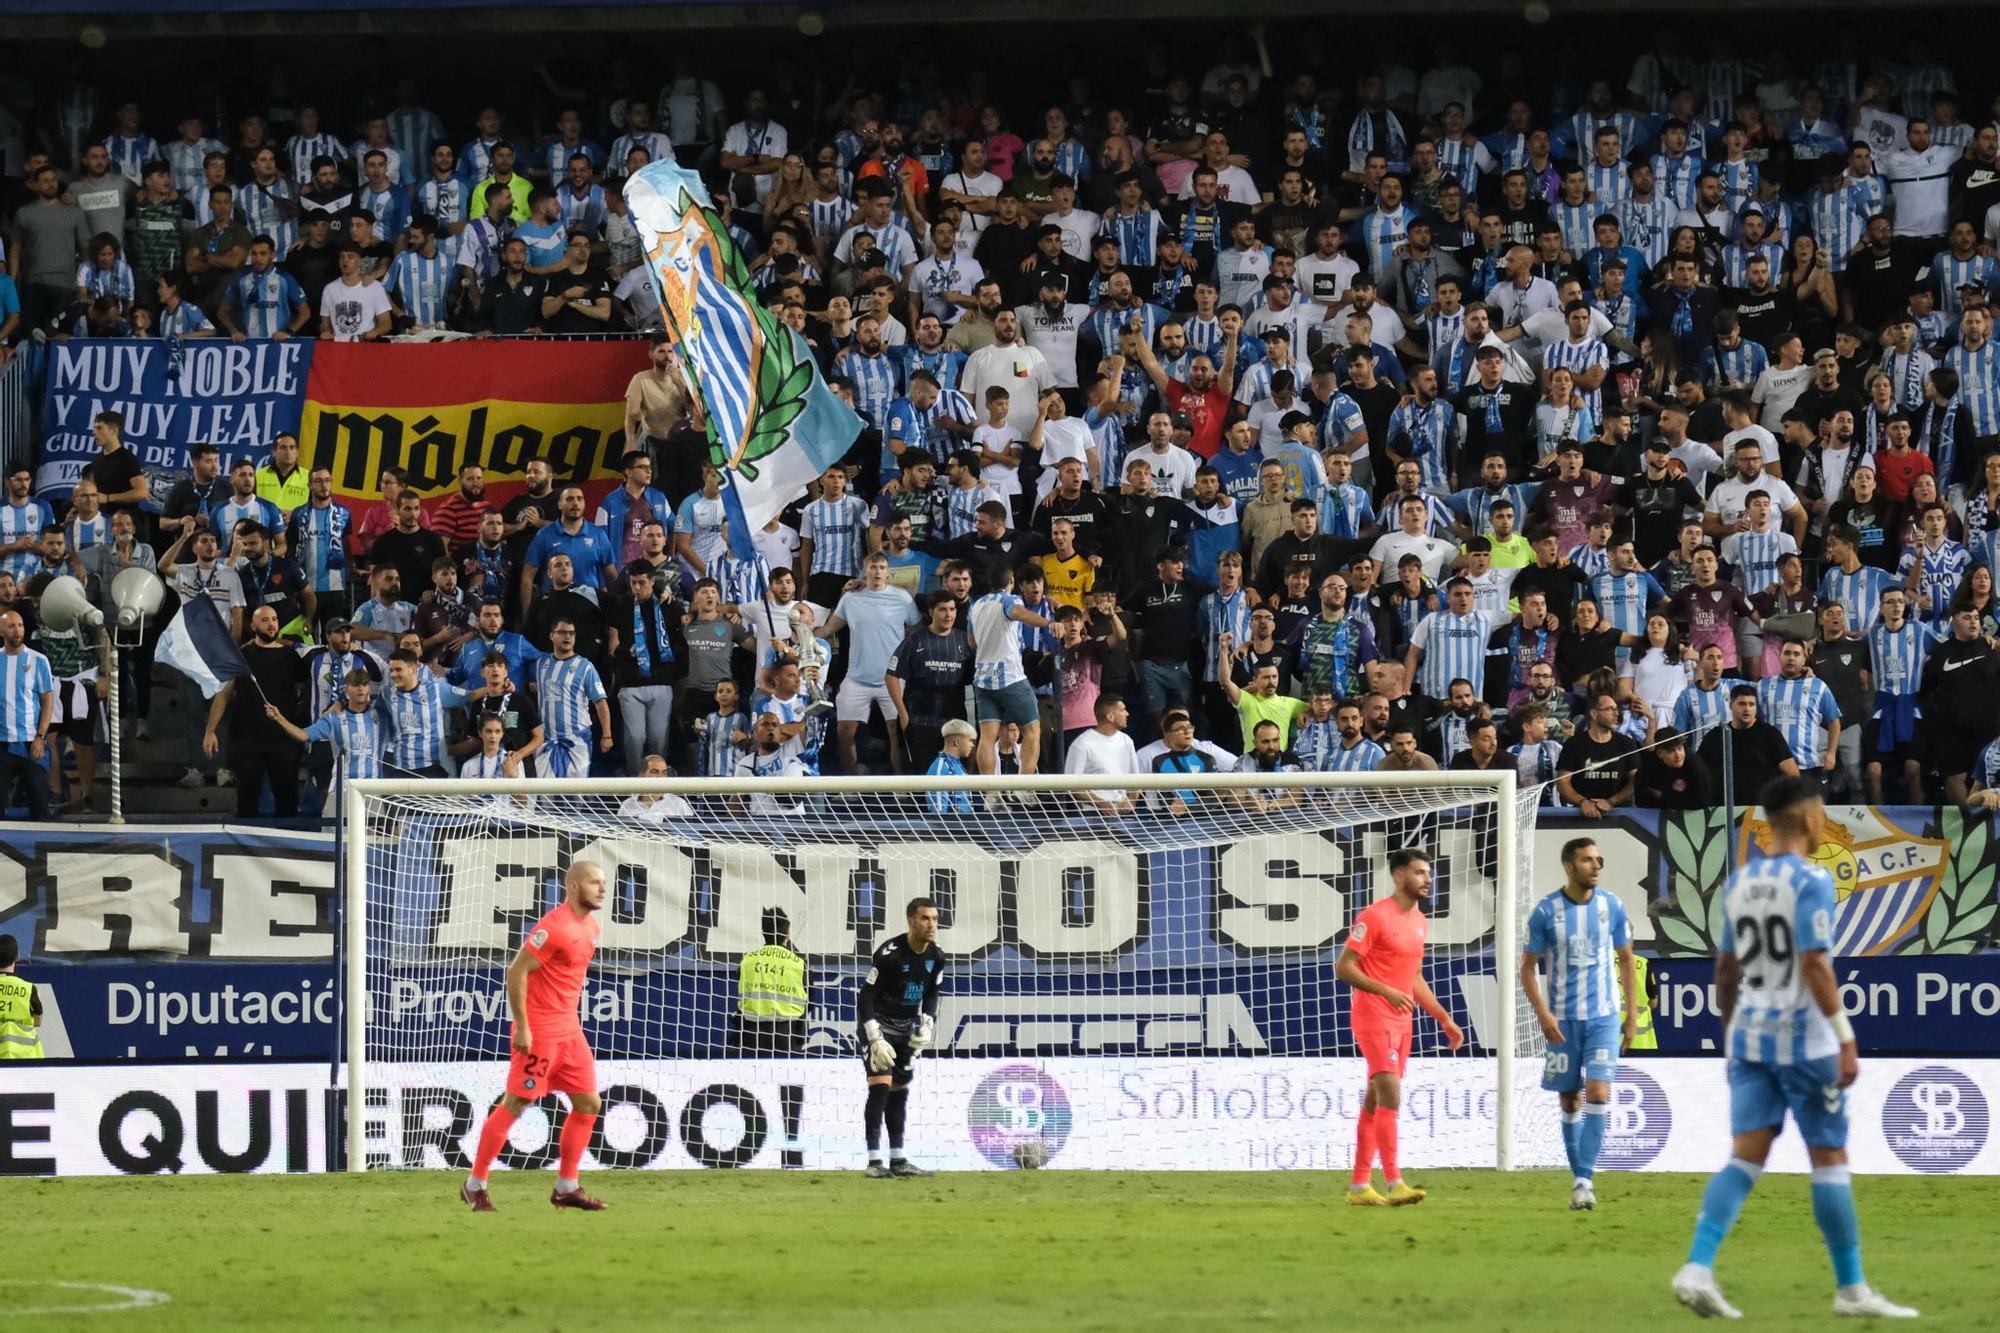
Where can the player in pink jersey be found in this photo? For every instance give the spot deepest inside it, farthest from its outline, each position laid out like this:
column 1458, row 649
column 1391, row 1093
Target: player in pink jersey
column 1382, row 962
column 544, row 986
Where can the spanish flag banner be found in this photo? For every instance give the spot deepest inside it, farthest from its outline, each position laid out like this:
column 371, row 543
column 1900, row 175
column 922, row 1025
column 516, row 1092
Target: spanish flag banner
column 431, row 407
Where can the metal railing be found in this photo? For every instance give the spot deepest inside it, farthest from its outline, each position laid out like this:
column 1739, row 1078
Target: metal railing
column 17, row 417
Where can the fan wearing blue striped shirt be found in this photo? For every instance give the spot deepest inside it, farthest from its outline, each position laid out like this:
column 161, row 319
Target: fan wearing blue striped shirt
column 263, row 300
column 1798, row 704
column 1589, row 1016
column 1791, row 1051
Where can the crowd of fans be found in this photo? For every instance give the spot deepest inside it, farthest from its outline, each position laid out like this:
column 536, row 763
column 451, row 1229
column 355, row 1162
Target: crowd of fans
column 1640, row 432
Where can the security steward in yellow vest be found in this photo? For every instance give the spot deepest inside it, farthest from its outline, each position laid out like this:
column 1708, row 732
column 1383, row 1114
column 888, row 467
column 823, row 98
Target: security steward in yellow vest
column 20, row 1008
column 772, row 993
column 1644, row 1038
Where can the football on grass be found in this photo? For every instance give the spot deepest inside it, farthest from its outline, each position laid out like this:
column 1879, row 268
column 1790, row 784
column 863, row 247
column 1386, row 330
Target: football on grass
column 1031, row 1154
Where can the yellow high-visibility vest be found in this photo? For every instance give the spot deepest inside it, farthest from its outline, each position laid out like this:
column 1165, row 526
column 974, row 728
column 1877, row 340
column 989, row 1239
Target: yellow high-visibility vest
column 19, row 1035
column 771, row 984
column 1644, row 1038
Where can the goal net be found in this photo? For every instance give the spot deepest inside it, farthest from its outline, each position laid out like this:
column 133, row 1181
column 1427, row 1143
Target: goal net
column 1139, row 977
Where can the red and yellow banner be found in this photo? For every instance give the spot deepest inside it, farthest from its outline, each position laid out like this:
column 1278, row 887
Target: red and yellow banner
column 431, row 407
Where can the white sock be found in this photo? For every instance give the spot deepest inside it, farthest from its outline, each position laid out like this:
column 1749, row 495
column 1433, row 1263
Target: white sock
column 1581, row 1183
column 475, row 1183
column 896, row 1154
column 566, row 1186
column 874, row 1156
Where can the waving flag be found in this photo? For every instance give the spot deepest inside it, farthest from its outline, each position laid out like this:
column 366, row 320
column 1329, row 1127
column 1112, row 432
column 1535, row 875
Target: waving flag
column 773, row 424
column 197, row 644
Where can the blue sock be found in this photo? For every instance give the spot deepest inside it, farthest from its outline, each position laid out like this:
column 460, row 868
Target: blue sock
column 1572, row 1127
column 1590, row 1138
column 1833, row 1209
column 1720, row 1205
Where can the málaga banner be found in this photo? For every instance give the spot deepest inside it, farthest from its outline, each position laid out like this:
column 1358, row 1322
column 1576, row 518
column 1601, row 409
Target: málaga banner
column 357, row 408
column 173, row 396
column 431, row 407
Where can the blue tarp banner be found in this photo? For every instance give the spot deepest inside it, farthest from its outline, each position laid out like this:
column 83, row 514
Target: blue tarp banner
column 173, row 395
column 1062, row 938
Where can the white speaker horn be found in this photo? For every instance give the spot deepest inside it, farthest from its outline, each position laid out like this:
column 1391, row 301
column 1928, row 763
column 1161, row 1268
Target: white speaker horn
column 65, row 605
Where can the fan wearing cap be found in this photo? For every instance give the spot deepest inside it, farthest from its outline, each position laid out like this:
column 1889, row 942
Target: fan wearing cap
column 1052, row 324
column 1499, row 414
column 1907, row 365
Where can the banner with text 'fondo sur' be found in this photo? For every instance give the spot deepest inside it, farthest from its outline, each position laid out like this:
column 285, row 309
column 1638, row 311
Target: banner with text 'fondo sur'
column 173, row 396
column 431, row 407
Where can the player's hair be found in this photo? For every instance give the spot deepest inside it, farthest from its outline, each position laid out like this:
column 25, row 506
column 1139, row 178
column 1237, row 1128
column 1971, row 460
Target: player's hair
column 916, row 905
column 1575, row 845
column 1404, row 857
column 1783, row 798
column 577, row 869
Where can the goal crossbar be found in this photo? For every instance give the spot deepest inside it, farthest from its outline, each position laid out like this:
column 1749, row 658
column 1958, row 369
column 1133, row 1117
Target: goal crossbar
column 1432, row 789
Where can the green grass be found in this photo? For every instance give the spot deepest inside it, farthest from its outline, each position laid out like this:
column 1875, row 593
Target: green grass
column 1053, row 1250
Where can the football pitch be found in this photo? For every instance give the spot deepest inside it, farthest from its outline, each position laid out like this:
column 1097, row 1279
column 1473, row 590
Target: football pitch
column 1014, row 1251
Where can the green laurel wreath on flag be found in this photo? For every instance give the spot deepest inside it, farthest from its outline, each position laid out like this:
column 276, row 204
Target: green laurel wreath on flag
column 1960, row 918
column 782, row 380
column 1696, row 848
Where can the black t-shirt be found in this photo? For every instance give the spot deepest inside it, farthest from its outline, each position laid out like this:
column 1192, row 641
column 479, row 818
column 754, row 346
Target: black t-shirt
column 281, row 676
column 1558, row 584
column 590, row 286
column 1165, row 613
column 1880, row 284
column 1763, row 315
column 1755, row 752
column 1840, row 663
column 1657, row 507
column 901, row 985
column 548, row 506
column 933, row 670
column 114, row 473
column 1377, row 405
column 1580, row 654
column 1618, row 758
column 412, row 554
column 517, row 711
column 314, row 267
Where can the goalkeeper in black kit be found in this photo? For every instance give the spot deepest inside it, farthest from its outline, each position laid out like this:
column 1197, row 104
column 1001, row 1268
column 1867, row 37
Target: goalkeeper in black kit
column 896, row 1013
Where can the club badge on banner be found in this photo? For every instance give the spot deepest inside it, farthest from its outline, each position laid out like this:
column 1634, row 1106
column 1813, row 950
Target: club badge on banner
column 1083, row 1114
column 173, row 394
column 431, row 407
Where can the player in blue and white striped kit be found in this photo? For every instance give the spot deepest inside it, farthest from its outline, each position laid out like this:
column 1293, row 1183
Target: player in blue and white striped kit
column 1791, row 1048
column 1578, row 931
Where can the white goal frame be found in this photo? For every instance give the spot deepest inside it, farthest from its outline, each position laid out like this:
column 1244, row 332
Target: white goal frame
column 354, row 794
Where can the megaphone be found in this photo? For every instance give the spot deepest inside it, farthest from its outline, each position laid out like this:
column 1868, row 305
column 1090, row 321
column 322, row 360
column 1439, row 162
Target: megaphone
column 137, row 594
column 65, row 605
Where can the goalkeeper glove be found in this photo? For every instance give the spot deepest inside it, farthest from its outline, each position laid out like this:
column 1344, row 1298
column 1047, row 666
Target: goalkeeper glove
column 920, row 1040
column 881, row 1055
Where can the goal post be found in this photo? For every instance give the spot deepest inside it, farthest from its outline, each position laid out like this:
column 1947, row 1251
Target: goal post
column 1115, row 952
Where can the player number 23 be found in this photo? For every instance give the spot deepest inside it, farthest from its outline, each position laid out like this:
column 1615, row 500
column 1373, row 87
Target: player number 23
column 535, row 1066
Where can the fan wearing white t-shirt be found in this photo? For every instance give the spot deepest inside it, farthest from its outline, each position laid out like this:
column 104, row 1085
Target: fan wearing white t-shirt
column 973, row 188
column 1105, row 750
column 1729, row 502
column 1058, row 436
column 998, row 447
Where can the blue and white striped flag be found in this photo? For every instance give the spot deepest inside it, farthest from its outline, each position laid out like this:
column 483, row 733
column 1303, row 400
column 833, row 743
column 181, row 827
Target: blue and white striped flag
column 197, row 644
column 773, row 424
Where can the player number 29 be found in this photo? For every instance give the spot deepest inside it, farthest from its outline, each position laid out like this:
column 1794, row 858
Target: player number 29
column 1769, row 937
